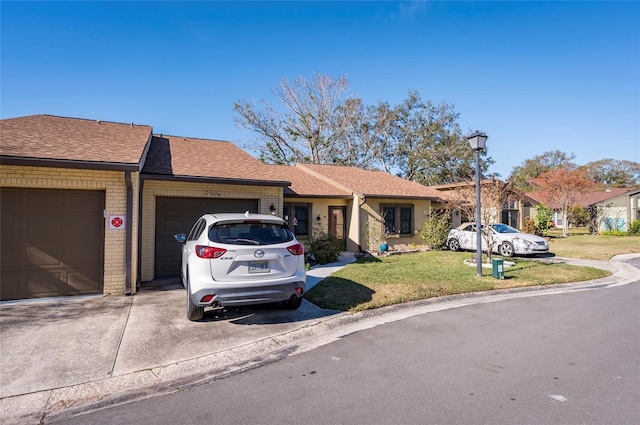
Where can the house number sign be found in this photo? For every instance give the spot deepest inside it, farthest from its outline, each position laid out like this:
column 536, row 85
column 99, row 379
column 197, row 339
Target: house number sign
column 212, row 193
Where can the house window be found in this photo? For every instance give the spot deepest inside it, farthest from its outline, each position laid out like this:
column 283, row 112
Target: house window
column 299, row 221
column 398, row 219
column 558, row 219
column 389, row 215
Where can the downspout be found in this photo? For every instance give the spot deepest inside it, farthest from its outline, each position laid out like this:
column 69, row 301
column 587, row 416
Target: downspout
column 139, row 256
column 129, row 241
column 364, row 201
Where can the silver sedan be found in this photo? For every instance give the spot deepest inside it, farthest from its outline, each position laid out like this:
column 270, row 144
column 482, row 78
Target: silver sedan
column 507, row 241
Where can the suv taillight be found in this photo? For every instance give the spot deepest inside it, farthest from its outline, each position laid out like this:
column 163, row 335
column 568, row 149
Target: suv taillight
column 296, row 249
column 211, row 252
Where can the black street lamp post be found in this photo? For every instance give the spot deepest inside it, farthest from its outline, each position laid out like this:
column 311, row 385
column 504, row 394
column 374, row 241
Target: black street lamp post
column 477, row 142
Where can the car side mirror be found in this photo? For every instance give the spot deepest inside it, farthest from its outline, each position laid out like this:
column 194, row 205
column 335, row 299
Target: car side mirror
column 180, row 237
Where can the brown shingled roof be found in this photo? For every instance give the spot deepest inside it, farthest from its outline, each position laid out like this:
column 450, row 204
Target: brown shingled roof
column 590, row 198
column 188, row 157
column 305, row 185
column 371, row 183
column 48, row 137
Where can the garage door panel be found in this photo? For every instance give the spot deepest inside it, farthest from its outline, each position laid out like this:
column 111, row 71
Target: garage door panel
column 10, row 260
column 10, row 203
column 86, row 203
column 177, row 215
column 35, row 200
column 43, row 256
column 57, row 243
column 43, row 283
column 82, row 283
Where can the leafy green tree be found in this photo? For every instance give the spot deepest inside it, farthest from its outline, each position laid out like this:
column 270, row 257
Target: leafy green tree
column 532, row 168
column 613, row 172
column 424, row 141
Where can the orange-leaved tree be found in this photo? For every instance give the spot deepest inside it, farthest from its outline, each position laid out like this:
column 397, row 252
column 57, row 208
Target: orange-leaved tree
column 560, row 189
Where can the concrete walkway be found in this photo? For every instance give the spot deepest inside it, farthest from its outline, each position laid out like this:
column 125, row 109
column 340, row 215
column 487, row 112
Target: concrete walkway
column 61, row 357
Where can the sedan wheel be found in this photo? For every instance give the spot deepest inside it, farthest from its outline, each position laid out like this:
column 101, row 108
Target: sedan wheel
column 454, row 245
column 506, row 249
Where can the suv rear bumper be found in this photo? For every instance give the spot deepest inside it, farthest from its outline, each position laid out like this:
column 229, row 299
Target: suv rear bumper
column 239, row 294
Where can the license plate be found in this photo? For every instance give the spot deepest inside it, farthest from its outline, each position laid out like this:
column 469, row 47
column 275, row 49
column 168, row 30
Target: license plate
column 259, row 267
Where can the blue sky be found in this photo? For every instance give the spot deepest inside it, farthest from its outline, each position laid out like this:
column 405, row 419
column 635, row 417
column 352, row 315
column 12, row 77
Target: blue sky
column 535, row 76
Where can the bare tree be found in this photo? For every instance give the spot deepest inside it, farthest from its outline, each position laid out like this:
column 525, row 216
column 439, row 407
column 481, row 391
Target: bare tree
column 317, row 123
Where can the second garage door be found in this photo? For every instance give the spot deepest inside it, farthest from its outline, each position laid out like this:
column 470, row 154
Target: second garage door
column 177, row 215
column 52, row 242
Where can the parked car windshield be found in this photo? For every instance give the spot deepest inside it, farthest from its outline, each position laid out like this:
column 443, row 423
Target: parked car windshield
column 250, row 233
column 503, row 228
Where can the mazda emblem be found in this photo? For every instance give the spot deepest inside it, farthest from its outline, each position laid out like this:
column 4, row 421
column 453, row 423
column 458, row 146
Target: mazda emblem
column 259, row 253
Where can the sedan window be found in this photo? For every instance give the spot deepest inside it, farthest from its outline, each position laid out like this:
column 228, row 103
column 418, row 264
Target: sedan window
column 503, row 228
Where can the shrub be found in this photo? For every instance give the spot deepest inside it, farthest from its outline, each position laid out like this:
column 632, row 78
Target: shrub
column 634, row 228
column 579, row 216
column 323, row 249
column 614, row 233
column 530, row 227
column 435, row 230
column 544, row 219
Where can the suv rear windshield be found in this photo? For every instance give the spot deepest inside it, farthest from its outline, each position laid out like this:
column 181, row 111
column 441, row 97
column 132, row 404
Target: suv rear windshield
column 250, row 233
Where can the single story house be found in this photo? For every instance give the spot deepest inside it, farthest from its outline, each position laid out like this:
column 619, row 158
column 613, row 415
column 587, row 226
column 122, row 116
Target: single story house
column 617, row 207
column 91, row 207
column 515, row 208
column 356, row 205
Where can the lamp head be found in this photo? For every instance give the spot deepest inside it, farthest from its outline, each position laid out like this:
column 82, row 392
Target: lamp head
column 477, row 140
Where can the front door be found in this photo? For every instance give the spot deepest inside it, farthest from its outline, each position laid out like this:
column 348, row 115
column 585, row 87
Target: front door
column 337, row 227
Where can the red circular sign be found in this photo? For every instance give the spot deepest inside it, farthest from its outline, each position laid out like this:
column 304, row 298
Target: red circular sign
column 116, row 222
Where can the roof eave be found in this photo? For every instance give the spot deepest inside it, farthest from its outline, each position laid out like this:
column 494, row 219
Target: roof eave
column 302, row 195
column 389, row 196
column 68, row 163
column 220, row 180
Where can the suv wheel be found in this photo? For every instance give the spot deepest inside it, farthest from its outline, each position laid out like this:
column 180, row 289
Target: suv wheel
column 293, row 303
column 194, row 313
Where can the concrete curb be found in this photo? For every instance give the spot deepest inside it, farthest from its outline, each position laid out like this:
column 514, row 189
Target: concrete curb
column 59, row 403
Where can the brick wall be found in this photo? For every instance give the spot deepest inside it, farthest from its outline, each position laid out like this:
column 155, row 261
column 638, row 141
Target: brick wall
column 113, row 184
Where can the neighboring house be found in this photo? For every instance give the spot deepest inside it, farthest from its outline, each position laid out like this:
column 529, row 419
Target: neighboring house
column 513, row 210
column 617, row 207
column 91, row 207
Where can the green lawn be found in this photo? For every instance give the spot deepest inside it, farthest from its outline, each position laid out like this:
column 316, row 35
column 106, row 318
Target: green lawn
column 580, row 244
column 381, row 281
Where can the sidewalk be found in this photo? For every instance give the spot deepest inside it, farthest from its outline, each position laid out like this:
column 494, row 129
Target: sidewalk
column 60, row 357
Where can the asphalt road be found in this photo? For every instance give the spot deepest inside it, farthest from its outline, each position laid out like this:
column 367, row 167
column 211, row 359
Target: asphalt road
column 571, row 358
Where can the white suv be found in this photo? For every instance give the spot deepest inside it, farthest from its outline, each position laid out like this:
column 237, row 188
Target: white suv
column 241, row 259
